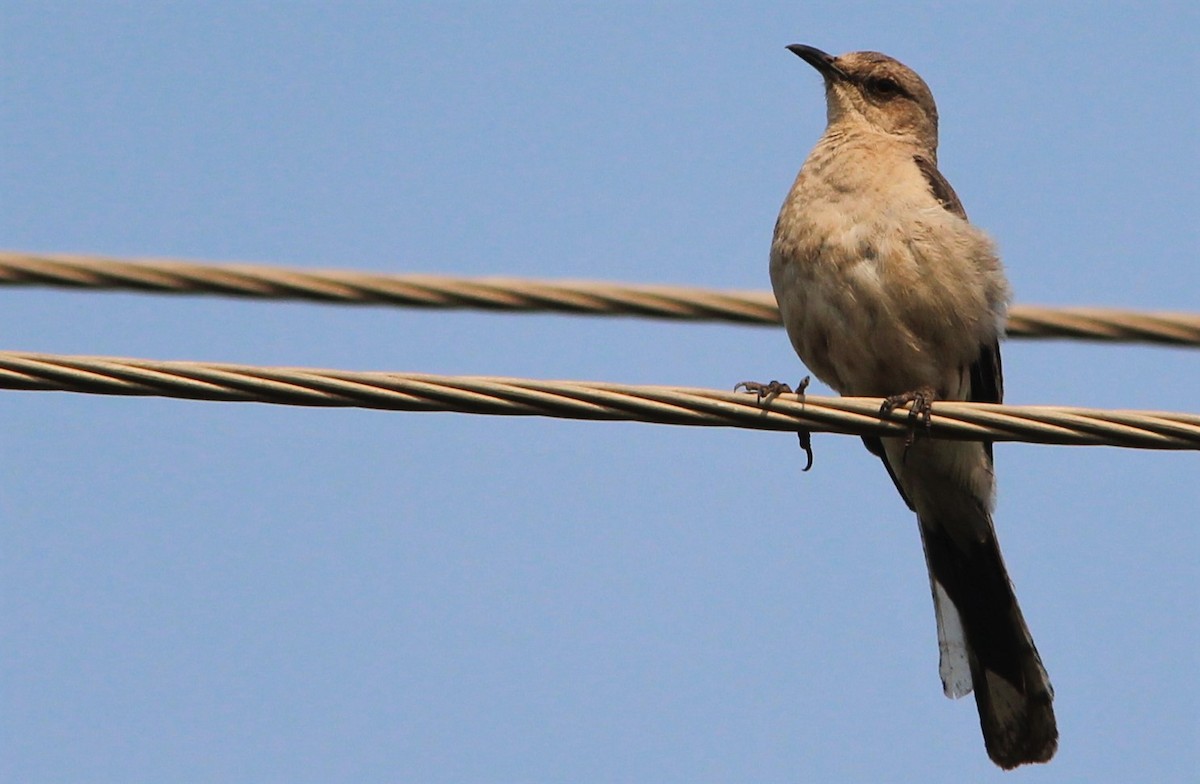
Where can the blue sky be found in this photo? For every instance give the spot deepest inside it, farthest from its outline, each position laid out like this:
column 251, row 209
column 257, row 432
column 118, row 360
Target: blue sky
column 230, row 592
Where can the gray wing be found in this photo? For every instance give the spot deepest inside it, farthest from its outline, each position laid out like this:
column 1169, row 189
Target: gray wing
column 940, row 187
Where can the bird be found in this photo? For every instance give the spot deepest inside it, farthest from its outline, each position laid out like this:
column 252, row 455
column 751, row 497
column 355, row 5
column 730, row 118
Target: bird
column 886, row 290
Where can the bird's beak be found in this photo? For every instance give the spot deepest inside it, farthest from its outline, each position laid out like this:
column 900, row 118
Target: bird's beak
column 823, row 62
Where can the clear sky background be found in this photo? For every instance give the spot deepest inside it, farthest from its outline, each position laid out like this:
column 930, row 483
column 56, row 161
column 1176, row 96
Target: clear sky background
column 231, row 592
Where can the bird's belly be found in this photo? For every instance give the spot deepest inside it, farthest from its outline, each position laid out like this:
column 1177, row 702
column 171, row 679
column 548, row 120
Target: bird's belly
column 863, row 328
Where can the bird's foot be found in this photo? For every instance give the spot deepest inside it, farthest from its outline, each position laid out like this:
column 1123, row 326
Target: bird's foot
column 919, row 414
column 768, row 391
column 773, row 389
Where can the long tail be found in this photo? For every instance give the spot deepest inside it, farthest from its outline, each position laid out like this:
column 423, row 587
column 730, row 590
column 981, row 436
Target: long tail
column 980, row 621
column 984, row 641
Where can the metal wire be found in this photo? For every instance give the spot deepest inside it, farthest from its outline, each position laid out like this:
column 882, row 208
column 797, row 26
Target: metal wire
column 512, row 294
column 583, row 400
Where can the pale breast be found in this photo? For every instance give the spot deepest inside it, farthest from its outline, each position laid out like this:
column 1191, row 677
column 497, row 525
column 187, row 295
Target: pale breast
column 881, row 289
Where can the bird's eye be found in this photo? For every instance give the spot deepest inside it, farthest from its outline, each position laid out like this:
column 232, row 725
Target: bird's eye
column 885, row 87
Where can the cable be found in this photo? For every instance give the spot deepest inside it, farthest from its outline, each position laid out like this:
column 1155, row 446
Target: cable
column 512, row 294
column 582, row 400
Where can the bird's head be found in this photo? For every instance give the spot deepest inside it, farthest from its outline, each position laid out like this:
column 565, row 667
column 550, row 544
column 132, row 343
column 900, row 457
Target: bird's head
column 872, row 88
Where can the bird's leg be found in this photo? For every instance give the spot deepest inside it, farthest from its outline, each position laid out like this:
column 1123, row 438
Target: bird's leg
column 921, row 399
column 769, row 391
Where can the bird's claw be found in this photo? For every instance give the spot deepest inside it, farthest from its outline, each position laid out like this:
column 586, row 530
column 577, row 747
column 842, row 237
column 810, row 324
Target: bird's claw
column 773, row 389
column 805, row 437
column 919, row 414
column 768, row 391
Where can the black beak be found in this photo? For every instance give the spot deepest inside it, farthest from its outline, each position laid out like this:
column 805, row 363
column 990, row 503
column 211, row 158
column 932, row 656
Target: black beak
column 817, row 59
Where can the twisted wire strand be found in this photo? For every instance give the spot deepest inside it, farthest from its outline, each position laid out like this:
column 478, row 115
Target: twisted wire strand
column 513, row 294
column 586, row 400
